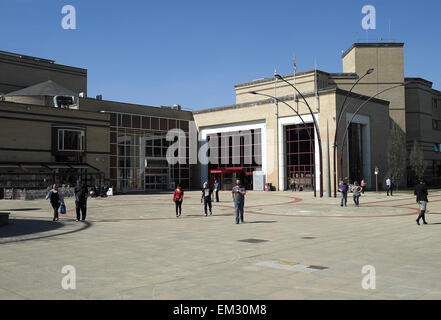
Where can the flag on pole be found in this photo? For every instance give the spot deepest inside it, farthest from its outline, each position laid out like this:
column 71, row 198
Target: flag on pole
column 295, row 66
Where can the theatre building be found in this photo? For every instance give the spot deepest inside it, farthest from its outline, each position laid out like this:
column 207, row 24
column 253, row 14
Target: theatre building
column 284, row 141
column 52, row 132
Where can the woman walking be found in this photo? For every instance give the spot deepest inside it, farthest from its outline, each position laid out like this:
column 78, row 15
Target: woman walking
column 178, row 197
column 356, row 189
column 56, row 198
column 421, row 198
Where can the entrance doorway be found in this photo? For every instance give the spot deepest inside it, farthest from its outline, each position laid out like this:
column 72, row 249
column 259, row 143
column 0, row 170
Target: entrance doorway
column 300, row 155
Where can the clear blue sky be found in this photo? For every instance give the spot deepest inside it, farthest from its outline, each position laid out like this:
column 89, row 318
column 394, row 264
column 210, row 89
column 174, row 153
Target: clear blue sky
column 193, row 52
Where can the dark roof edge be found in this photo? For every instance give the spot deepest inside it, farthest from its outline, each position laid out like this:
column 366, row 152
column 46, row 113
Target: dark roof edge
column 135, row 105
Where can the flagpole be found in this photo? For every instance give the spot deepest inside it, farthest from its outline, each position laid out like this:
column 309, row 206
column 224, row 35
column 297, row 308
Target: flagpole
column 276, row 106
column 295, row 76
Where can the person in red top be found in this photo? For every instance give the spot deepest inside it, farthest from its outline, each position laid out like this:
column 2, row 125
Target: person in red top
column 178, row 197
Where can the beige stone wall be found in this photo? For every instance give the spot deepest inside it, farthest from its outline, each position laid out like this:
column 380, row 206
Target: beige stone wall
column 304, row 83
column 388, row 62
column 377, row 112
column 420, row 113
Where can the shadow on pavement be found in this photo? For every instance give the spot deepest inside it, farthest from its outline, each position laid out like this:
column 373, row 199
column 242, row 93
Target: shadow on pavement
column 267, row 221
column 20, row 227
column 22, row 209
column 23, row 227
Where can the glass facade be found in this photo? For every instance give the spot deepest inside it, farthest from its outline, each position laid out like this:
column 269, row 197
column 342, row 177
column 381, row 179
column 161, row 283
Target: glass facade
column 355, row 143
column 138, row 149
column 300, row 155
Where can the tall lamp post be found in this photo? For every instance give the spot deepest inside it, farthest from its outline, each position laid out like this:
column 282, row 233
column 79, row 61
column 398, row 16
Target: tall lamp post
column 316, row 129
column 358, row 110
column 340, row 116
column 301, row 119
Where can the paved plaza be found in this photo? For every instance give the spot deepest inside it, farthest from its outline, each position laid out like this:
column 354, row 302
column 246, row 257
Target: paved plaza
column 291, row 246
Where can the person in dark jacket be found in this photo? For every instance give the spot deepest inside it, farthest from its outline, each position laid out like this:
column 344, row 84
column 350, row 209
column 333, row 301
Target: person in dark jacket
column 81, row 193
column 421, row 198
column 56, row 198
column 207, row 197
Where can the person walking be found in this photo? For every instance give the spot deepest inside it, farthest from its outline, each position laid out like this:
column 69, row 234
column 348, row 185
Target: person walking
column 343, row 189
column 207, row 197
column 389, row 186
column 56, row 198
column 216, row 189
column 356, row 192
column 421, row 198
column 363, row 186
column 239, row 193
column 178, row 197
column 81, row 194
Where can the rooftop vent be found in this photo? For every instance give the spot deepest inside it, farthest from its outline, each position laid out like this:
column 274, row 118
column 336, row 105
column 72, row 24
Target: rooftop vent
column 99, row 97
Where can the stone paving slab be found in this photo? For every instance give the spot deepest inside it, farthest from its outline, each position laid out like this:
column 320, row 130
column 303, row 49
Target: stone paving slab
column 133, row 247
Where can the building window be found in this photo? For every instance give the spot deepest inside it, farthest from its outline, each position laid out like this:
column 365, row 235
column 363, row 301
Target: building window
column 435, row 103
column 70, row 140
column 437, row 147
column 436, row 124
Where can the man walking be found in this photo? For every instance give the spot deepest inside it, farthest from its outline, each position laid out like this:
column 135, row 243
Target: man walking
column 389, row 186
column 421, row 198
column 207, row 196
column 216, row 189
column 239, row 200
column 81, row 194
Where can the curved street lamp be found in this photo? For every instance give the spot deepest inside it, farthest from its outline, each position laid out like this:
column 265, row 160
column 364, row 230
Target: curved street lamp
column 340, row 116
column 356, row 112
column 316, row 129
column 304, row 123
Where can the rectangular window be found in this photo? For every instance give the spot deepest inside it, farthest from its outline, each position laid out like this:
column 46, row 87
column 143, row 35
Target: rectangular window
column 70, row 140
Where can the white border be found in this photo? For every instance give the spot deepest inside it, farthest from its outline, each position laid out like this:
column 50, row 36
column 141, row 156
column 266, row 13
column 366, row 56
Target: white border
column 286, row 121
column 204, row 132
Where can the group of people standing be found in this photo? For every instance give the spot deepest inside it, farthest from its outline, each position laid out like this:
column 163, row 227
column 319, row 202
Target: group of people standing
column 208, row 196
column 56, row 197
column 356, row 189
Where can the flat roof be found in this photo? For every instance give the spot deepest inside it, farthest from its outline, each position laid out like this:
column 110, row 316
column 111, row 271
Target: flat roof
column 37, row 60
column 373, row 45
column 289, row 97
